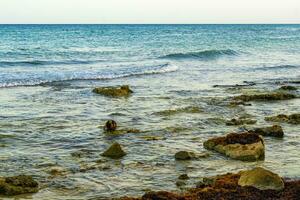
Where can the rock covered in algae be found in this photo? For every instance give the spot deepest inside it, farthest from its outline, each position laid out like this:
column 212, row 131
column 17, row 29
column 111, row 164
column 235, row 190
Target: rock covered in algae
column 17, row 185
column 261, row 179
column 272, row 96
column 271, row 131
column 291, row 119
column 115, row 151
column 188, row 155
column 240, row 146
column 184, row 155
column 287, row 87
column 122, row 91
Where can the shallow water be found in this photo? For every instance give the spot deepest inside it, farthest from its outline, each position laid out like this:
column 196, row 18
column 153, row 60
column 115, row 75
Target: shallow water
column 49, row 116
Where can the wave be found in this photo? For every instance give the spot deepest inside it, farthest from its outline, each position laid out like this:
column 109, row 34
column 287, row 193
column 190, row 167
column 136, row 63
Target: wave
column 45, row 62
column 277, row 67
column 205, row 55
column 85, row 75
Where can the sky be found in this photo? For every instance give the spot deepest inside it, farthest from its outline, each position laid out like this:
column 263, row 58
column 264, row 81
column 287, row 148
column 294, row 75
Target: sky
column 148, row 11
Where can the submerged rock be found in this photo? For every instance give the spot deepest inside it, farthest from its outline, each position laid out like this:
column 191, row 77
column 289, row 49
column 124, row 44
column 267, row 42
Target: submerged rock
column 265, row 96
column 238, row 103
column 287, row 87
column 184, row 155
column 115, row 151
column 261, row 179
column 122, row 91
column 271, row 131
column 188, row 155
column 240, row 121
column 110, row 125
column 189, row 109
column 240, row 146
column 17, row 185
column 151, row 138
column 291, row 119
column 183, row 177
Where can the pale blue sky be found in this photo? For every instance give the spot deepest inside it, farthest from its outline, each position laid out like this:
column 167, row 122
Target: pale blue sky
column 149, row 11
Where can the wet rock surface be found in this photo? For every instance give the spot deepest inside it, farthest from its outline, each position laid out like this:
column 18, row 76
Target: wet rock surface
column 115, row 151
column 291, row 119
column 261, row 179
column 270, row 131
column 18, row 185
column 272, row 96
column 240, row 146
column 188, row 155
column 287, row 87
column 122, row 91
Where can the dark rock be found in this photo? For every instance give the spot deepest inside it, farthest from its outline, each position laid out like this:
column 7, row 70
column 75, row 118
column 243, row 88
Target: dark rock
column 272, row 131
column 115, row 151
column 240, row 146
column 240, row 121
column 265, row 96
column 287, row 87
column 110, row 125
column 184, row 155
column 291, row 119
column 122, row 91
column 17, row 185
column 183, row 177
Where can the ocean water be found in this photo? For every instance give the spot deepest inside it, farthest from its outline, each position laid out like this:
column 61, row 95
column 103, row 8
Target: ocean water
column 48, row 112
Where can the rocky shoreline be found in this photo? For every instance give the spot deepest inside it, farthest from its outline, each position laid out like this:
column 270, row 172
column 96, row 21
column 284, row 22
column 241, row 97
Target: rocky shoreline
column 256, row 184
column 246, row 145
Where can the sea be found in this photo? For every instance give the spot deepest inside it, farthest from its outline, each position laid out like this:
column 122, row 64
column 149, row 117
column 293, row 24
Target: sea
column 182, row 76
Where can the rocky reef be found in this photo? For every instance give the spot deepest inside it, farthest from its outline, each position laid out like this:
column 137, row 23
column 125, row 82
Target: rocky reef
column 272, row 96
column 16, row 185
column 291, row 119
column 254, row 184
column 240, row 146
column 270, row 131
column 122, row 91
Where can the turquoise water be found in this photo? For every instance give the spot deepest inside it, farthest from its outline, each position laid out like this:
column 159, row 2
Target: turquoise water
column 48, row 112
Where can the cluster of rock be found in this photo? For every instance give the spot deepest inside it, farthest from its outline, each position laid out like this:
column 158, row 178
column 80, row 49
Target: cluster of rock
column 291, row 119
column 257, row 183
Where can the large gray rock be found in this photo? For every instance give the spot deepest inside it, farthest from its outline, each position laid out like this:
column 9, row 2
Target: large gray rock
column 262, row 179
column 240, row 146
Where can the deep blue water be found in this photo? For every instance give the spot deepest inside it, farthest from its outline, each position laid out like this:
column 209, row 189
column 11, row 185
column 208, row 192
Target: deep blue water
column 33, row 54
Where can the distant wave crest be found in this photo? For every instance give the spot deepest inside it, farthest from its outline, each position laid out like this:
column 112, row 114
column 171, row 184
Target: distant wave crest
column 205, row 55
column 277, row 67
column 45, row 62
column 85, row 75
